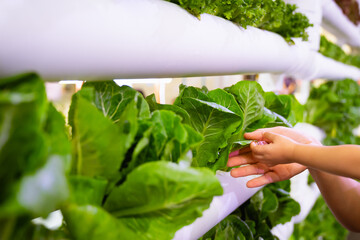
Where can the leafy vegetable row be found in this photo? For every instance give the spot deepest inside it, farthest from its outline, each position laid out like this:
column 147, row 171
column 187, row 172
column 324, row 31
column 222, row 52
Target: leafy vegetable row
column 129, row 176
column 335, row 107
column 272, row 15
column 335, row 52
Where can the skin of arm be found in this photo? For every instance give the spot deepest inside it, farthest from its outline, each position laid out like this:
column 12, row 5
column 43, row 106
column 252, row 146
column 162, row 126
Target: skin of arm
column 342, row 194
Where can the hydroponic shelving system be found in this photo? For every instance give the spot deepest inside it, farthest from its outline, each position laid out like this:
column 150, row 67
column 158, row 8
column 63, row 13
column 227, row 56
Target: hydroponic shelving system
column 92, row 40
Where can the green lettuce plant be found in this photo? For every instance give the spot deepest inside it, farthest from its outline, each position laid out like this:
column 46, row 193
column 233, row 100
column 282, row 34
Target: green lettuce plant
column 138, row 169
column 249, row 108
column 222, row 116
column 319, row 224
column 272, row 15
column 128, row 160
column 34, row 156
column 335, row 52
column 335, row 107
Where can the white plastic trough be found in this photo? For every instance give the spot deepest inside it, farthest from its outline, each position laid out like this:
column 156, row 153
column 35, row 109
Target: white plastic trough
column 235, row 194
column 338, row 24
column 90, row 39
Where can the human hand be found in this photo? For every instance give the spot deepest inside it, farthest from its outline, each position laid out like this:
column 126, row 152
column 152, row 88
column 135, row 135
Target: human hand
column 279, row 149
column 288, row 132
column 269, row 173
column 286, row 137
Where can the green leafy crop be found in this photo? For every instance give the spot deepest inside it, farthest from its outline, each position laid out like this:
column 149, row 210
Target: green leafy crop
column 34, row 155
column 133, row 168
column 223, row 116
column 319, row 224
column 127, row 160
column 335, row 52
column 335, row 107
column 272, row 15
column 249, row 108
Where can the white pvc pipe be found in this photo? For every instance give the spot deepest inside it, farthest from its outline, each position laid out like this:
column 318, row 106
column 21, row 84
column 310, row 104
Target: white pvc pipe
column 337, row 23
column 80, row 39
column 328, row 68
column 90, row 39
column 235, row 194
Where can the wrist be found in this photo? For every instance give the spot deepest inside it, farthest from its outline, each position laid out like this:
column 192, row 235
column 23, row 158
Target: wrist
column 291, row 153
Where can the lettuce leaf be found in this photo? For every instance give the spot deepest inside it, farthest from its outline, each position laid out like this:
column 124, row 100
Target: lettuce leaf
column 249, row 96
column 98, row 151
column 162, row 137
column 178, row 110
column 215, row 122
column 88, row 222
column 34, row 157
column 155, row 196
column 112, row 100
column 231, row 227
column 163, row 195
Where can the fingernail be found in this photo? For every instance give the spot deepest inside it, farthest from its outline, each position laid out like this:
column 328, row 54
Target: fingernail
column 234, row 154
column 261, row 143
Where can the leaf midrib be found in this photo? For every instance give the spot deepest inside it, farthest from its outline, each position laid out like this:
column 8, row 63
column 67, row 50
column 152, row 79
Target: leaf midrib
column 245, row 111
column 207, row 123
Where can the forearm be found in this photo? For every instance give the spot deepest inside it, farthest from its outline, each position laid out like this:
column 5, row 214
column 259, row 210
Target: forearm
column 340, row 160
column 342, row 195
